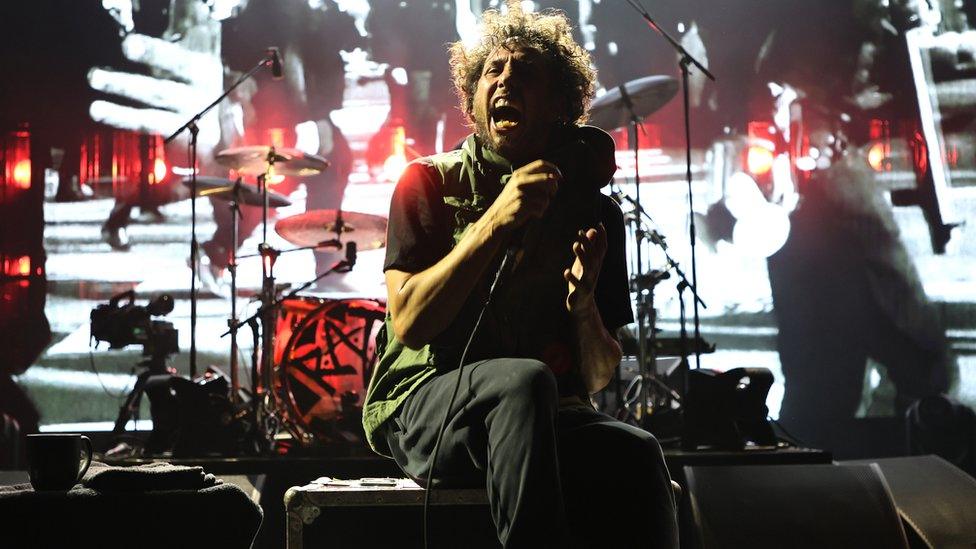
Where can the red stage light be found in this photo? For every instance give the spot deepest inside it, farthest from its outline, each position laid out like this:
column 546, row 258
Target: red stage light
column 18, row 163
column 394, row 164
column 17, row 266
column 878, row 156
column 159, row 170
column 761, row 151
column 22, row 174
column 759, row 160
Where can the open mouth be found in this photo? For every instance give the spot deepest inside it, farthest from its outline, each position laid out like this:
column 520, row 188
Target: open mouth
column 505, row 117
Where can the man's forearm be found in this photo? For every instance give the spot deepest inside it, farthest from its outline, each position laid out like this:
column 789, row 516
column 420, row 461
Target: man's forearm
column 599, row 353
column 426, row 302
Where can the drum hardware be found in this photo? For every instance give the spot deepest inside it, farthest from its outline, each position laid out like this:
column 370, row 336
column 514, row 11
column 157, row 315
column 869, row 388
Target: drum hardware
column 264, row 411
column 268, row 411
column 191, row 125
column 686, row 60
column 643, row 284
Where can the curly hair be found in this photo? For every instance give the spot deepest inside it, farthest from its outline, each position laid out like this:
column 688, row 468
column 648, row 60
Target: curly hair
column 549, row 32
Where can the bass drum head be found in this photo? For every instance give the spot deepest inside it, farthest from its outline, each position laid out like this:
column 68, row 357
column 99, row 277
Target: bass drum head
column 325, row 368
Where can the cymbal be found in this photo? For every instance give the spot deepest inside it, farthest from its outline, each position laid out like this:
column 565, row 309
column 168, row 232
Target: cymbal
column 316, row 226
column 223, row 189
column 253, row 160
column 647, row 95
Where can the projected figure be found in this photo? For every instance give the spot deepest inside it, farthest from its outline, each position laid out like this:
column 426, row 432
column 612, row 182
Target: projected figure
column 165, row 81
column 196, row 58
column 521, row 424
column 845, row 288
column 410, row 35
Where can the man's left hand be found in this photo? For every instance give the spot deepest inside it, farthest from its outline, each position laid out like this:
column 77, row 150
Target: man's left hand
column 589, row 249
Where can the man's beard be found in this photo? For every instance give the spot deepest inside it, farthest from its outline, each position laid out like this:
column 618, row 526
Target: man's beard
column 483, row 135
column 502, row 146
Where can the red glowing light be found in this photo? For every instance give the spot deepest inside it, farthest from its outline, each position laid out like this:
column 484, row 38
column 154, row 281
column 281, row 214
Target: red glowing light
column 159, row 170
column 17, row 266
column 759, row 160
column 276, row 136
column 17, row 163
column 394, row 164
column 22, row 173
column 920, row 153
column 878, row 156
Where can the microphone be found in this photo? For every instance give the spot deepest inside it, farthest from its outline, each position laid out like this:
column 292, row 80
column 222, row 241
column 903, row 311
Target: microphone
column 274, row 56
column 585, row 157
column 510, row 258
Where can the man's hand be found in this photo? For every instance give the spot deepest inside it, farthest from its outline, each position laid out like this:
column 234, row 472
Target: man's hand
column 526, row 195
column 183, row 82
column 589, row 249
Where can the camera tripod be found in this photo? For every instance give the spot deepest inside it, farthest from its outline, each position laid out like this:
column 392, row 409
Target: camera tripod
column 154, row 382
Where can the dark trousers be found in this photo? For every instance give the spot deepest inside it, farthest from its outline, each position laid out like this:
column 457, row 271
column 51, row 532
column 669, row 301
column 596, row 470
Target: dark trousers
column 555, row 477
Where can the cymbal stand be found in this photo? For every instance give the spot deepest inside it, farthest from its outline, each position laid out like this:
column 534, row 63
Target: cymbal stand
column 686, row 60
column 232, row 324
column 191, row 126
column 265, row 415
column 642, row 284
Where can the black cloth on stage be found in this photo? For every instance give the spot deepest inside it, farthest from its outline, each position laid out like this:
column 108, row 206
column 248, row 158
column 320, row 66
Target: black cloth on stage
column 214, row 515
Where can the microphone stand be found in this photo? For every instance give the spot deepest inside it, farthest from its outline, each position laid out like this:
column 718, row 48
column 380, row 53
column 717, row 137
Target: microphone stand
column 191, row 126
column 685, row 61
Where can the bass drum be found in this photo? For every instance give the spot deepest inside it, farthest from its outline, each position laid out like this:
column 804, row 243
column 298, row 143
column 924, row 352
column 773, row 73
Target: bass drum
column 324, row 368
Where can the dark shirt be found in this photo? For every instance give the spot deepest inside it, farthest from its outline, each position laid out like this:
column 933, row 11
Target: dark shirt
column 419, row 236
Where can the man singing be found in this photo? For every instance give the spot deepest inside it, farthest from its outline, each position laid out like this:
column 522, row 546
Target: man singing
column 526, row 186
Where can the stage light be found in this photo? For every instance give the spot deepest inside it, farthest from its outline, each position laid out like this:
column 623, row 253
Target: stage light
column 159, row 170
column 17, row 266
column 22, row 174
column 759, row 160
column 761, row 151
column 18, row 160
column 394, row 164
column 878, row 156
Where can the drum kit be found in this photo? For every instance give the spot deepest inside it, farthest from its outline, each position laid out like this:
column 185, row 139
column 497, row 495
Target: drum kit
column 313, row 356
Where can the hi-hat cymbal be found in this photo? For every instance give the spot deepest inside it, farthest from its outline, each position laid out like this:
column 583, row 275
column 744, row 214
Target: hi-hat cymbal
column 223, row 189
column 253, row 160
column 647, row 95
column 316, row 226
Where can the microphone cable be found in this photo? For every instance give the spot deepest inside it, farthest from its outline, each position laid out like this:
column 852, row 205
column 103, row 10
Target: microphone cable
column 508, row 258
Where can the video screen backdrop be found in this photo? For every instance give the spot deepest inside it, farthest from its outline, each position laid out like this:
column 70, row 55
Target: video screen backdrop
column 833, row 172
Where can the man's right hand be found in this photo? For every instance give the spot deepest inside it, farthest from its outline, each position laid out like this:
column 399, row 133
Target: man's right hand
column 526, row 195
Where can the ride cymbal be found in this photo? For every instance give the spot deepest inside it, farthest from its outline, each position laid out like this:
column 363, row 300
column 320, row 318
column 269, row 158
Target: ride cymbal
column 647, row 95
column 317, row 226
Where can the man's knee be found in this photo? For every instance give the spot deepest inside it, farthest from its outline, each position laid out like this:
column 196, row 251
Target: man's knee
column 529, row 381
